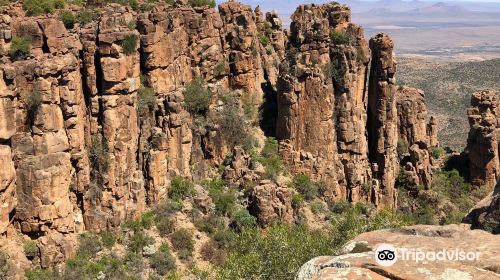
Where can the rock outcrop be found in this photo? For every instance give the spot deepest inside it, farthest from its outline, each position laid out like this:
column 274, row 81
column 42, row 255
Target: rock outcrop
column 482, row 144
column 486, row 214
column 357, row 259
column 271, row 204
column 418, row 133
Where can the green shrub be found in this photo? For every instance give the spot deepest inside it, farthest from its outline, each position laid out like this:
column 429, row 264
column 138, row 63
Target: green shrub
column 4, row 265
column 297, row 201
column 305, row 186
column 221, row 68
column 19, row 47
column 180, row 189
column 402, row 147
column 108, row 239
column 99, row 154
column 212, row 252
column 69, row 19
column 84, row 16
column 40, row 274
column 166, row 208
column 30, row 248
column 89, row 245
column 318, row 208
column 234, row 127
column 165, row 226
column 138, row 241
column 331, row 71
column 243, row 219
column 437, row 152
column 40, row 7
column 196, row 97
column 277, row 255
column 35, row 100
column 264, row 40
column 201, row 3
column 162, row 261
column 183, row 243
column 340, row 38
column 223, row 197
column 147, row 219
column 210, row 224
column 129, row 44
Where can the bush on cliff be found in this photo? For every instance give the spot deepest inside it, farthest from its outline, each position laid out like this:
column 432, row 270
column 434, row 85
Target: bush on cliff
column 146, row 100
column 197, row 98
column 4, row 264
column 201, row 3
column 68, row 19
column 41, row 7
column 180, row 189
column 19, row 47
column 129, row 44
column 340, row 38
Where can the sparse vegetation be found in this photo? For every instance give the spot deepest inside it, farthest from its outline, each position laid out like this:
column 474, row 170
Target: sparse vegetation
column 223, row 197
column 30, row 248
column 438, row 152
column 180, row 189
column 68, row 19
column 129, row 44
column 340, row 38
column 303, row 184
column 99, row 154
column 146, row 100
column 234, row 126
column 4, row 264
column 35, row 99
column 402, row 147
column 201, row 3
column 196, row 97
column 19, row 47
column 183, row 243
column 40, row 7
column 221, row 68
column 264, row 40
column 162, row 261
column 84, row 16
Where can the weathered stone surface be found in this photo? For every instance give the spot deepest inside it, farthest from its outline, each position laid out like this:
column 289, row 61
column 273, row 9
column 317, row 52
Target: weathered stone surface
column 8, row 198
column 271, row 203
column 419, row 134
column 482, row 144
column 357, row 259
column 486, row 214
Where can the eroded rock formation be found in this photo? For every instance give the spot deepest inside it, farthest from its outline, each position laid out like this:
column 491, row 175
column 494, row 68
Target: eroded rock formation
column 418, row 133
column 482, row 145
column 79, row 152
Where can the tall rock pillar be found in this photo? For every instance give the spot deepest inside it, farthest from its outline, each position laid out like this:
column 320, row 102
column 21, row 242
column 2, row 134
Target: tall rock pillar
column 482, row 144
column 382, row 119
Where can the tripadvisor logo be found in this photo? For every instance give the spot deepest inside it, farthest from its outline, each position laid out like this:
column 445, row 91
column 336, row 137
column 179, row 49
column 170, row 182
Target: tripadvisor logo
column 387, row 255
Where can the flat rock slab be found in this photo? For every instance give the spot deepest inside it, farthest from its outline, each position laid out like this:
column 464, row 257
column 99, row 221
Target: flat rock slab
column 357, row 259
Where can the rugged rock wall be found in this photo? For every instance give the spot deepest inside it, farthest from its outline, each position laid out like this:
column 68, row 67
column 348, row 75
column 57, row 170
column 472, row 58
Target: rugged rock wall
column 80, row 153
column 482, row 145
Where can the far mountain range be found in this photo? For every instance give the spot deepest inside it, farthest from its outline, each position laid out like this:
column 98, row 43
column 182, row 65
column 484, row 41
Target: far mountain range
column 457, row 30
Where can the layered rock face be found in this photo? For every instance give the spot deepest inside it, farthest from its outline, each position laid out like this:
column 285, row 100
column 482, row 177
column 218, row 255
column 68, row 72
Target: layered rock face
column 357, row 259
column 76, row 151
column 482, row 144
column 80, row 152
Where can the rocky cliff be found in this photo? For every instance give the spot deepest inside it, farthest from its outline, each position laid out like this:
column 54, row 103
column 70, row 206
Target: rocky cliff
column 94, row 122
